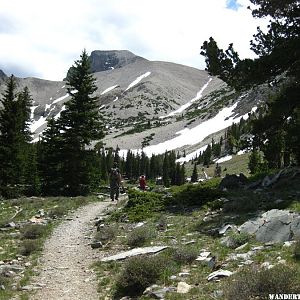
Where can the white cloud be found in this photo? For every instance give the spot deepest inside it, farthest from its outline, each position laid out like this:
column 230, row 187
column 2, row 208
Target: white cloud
column 47, row 36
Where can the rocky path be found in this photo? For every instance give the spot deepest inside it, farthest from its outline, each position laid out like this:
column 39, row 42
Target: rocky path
column 67, row 256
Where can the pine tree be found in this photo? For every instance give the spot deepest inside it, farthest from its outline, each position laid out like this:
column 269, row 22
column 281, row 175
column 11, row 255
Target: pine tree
column 7, row 133
column 207, row 156
column 255, row 162
column 80, row 124
column 14, row 134
column 194, row 177
column 50, row 160
column 166, row 171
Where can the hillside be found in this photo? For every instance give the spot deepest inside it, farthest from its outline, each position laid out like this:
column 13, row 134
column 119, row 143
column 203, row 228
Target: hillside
column 144, row 103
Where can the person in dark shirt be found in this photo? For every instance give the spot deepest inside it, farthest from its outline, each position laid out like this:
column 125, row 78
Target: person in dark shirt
column 114, row 182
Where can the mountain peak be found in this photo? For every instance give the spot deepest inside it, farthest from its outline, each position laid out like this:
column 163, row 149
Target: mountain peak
column 103, row 60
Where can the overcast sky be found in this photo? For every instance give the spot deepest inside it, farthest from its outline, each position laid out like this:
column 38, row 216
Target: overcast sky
column 42, row 38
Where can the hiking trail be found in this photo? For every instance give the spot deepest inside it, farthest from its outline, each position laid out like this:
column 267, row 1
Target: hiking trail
column 64, row 268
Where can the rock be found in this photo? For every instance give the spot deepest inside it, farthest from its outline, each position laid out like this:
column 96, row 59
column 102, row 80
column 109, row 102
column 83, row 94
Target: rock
column 218, row 294
column 140, row 224
column 273, row 226
column 184, row 274
column 203, row 255
column 228, row 241
column 225, row 228
column 189, row 242
column 96, row 245
column 158, row 292
column 241, row 247
column 11, row 268
column 288, row 243
column 183, row 287
column 218, row 274
column 11, row 224
column 269, row 180
column 134, row 252
column 266, row 265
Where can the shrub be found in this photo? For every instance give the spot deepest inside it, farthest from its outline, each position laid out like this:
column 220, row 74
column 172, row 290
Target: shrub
column 57, row 212
column 138, row 274
column 141, row 205
column 297, row 250
column 185, row 255
column 258, row 284
column 197, row 194
column 162, row 223
column 3, row 280
column 140, row 236
column 237, row 239
column 243, row 205
column 106, row 233
column 30, row 246
column 33, row 231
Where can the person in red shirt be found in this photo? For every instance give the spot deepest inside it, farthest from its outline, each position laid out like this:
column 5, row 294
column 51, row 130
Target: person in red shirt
column 142, row 183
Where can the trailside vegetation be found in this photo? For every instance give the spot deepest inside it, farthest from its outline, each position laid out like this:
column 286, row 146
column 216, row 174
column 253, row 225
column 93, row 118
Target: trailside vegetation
column 276, row 131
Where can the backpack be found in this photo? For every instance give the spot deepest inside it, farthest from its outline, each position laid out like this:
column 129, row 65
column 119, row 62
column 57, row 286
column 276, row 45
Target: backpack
column 115, row 176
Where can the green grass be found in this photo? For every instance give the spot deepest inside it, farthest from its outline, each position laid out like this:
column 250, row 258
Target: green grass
column 182, row 227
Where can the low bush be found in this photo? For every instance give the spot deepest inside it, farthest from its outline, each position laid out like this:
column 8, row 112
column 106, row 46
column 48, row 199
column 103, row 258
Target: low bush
column 140, row 236
column 195, row 195
column 33, row 231
column 56, row 212
column 106, row 233
column 243, row 205
column 30, row 246
column 254, row 283
column 3, row 280
column 237, row 239
column 138, row 274
column 297, row 250
column 142, row 205
column 162, row 223
column 185, row 255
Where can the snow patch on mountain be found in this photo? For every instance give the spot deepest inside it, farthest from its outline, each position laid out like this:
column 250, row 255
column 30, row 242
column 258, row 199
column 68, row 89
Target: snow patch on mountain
column 109, row 89
column 36, row 124
column 223, row 159
column 191, row 155
column 195, row 135
column 60, row 99
column 188, row 104
column 136, row 81
column 32, row 109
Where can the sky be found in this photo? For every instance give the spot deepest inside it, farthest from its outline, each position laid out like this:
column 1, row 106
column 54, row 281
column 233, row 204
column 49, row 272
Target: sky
column 43, row 38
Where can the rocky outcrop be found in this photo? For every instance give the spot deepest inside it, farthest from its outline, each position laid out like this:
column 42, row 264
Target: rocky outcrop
column 274, row 226
column 112, row 59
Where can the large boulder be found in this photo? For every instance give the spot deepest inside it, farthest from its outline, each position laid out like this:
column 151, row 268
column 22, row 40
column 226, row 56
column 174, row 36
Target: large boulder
column 273, row 226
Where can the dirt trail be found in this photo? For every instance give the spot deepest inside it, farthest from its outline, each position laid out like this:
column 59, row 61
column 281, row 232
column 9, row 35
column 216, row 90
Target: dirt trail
column 64, row 265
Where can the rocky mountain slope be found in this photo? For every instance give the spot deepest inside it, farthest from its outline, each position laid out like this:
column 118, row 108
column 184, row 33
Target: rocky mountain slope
column 156, row 105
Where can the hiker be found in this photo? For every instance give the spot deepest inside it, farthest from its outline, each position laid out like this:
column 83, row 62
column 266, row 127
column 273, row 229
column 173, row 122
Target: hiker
column 115, row 182
column 142, row 182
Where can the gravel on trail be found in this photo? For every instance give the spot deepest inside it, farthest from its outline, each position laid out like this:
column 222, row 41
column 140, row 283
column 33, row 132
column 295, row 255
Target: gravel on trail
column 64, row 269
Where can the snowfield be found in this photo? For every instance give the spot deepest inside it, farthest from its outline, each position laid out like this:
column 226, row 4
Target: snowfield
column 136, row 81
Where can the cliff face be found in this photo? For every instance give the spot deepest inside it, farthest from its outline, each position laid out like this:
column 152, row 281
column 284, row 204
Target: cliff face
column 112, row 59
